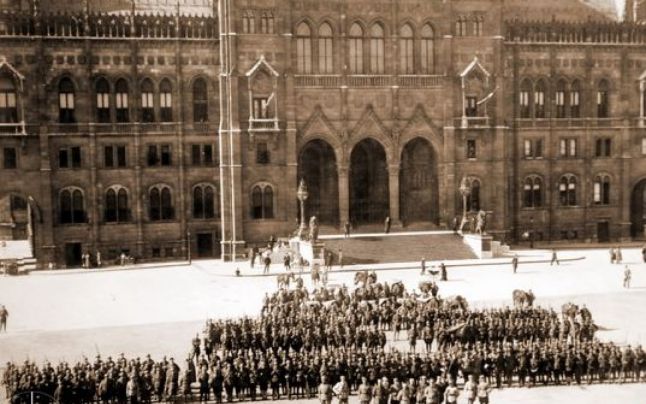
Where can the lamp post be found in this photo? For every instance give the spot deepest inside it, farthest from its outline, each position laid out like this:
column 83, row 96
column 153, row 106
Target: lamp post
column 531, row 232
column 465, row 191
column 302, row 196
column 188, row 246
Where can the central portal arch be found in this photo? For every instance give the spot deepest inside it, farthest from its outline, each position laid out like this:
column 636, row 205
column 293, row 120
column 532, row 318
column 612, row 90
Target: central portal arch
column 317, row 166
column 418, row 184
column 369, row 201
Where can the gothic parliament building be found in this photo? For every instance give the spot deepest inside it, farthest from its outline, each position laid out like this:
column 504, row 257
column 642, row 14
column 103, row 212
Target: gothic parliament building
column 158, row 127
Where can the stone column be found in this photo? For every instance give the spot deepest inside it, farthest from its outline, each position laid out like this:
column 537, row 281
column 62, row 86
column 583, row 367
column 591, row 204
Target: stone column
column 344, row 195
column 393, row 189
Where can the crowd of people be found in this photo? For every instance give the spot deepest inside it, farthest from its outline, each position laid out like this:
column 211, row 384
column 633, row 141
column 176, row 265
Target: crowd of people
column 358, row 342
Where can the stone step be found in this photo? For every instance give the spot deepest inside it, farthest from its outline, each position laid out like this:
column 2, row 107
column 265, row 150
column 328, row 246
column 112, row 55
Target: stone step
column 375, row 249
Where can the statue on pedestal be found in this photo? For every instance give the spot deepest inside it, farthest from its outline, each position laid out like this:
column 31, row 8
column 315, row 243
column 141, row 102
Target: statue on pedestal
column 314, row 229
column 481, row 222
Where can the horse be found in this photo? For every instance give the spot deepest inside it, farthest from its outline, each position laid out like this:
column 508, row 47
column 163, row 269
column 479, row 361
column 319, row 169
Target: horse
column 456, row 303
column 428, row 287
column 522, row 298
column 365, row 277
column 397, row 289
column 284, row 279
column 569, row 310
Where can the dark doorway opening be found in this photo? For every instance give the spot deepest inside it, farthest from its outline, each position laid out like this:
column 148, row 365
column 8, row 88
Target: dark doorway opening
column 369, row 192
column 73, row 252
column 603, row 232
column 418, row 185
column 317, row 166
column 205, row 246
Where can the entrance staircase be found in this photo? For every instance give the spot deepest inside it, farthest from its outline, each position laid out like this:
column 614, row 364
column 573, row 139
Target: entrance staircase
column 374, row 248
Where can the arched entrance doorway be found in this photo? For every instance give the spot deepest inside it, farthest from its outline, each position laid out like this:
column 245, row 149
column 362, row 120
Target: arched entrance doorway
column 317, row 165
column 418, row 185
column 368, row 183
column 638, row 210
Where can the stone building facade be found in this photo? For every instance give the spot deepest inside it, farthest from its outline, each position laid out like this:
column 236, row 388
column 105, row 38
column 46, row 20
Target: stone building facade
column 385, row 108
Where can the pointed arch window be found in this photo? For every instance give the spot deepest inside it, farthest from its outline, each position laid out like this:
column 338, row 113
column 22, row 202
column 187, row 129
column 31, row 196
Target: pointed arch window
column 72, row 206
column 166, row 101
column 248, row 22
column 523, row 101
column 567, row 190
column 356, row 49
column 539, row 99
column 603, row 99
column 160, row 203
column 205, row 202
column 304, row 48
column 406, row 59
column 122, row 101
column 427, row 49
column 532, row 192
column 377, row 45
column 66, row 102
column 262, row 201
column 147, row 101
column 575, row 99
column 102, row 101
column 326, row 58
column 601, row 190
column 8, row 100
column 116, row 205
column 559, row 99
column 267, row 23
column 200, row 101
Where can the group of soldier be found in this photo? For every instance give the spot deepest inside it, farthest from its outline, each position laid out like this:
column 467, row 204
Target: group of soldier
column 303, row 346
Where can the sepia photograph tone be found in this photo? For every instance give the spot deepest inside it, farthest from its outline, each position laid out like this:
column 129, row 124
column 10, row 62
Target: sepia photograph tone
column 323, row 201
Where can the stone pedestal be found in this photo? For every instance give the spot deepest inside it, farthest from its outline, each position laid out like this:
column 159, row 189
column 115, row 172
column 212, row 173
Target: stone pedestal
column 311, row 252
column 481, row 245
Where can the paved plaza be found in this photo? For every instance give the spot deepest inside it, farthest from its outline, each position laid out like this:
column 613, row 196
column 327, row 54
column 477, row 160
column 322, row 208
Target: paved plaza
column 66, row 315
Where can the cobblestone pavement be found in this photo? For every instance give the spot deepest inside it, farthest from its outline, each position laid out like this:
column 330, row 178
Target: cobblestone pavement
column 67, row 315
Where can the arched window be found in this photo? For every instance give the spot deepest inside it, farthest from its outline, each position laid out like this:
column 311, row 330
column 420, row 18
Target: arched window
column 427, row 49
column 116, row 205
column 72, row 206
column 567, row 190
column 356, row 49
column 575, row 99
column 262, row 202
column 267, row 23
column 8, row 101
column 248, row 22
column 406, row 58
column 147, row 101
column 539, row 99
column 326, row 59
column 532, row 192
column 121, row 101
column 66, row 103
column 377, row 49
column 166, row 101
column 102, row 101
column 160, row 203
column 304, row 48
column 200, row 101
column 601, row 190
column 603, row 99
column 473, row 202
column 524, row 97
column 205, row 202
column 559, row 98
